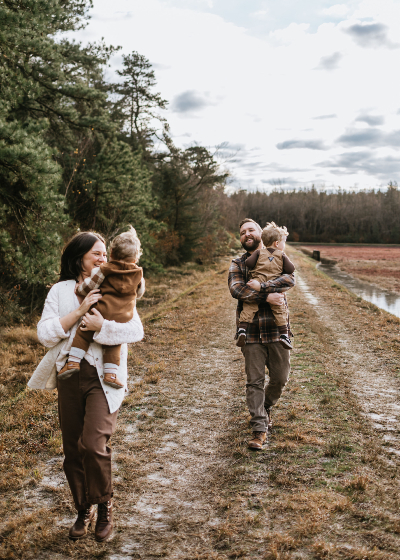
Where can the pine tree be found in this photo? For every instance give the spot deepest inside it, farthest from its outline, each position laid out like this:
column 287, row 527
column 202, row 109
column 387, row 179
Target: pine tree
column 115, row 190
column 62, row 167
column 138, row 107
column 46, row 100
column 31, row 213
column 187, row 184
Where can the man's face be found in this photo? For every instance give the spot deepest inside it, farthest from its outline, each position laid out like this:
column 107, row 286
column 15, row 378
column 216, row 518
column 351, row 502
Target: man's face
column 250, row 236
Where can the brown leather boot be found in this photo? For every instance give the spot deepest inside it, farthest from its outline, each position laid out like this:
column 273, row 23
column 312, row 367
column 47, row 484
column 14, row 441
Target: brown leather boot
column 104, row 524
column 80, row 527
column 68, row 370
column 112, row 379
column 259, row 438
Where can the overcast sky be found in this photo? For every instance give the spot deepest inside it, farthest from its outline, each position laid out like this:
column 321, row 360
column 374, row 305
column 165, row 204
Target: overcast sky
column 299, row 91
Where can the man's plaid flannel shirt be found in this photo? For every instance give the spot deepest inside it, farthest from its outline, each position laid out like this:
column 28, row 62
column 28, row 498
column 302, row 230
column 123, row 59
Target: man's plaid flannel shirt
column 263, row 328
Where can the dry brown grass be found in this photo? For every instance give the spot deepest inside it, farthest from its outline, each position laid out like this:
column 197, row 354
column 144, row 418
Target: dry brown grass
column 21, row 334
column 359, row 482
column 289, row 501
column 335, row 447
column 278, row 546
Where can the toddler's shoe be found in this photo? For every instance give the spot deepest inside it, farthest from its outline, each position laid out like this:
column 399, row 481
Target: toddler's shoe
column 68, row 370
column 285, row 341
column 241, row 338
column 112, row 380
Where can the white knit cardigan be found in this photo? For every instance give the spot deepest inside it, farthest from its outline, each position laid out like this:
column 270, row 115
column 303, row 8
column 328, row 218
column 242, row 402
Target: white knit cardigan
column 60, row 301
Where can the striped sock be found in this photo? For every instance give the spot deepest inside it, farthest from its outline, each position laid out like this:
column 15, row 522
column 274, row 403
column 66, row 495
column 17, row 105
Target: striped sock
column 110, row 368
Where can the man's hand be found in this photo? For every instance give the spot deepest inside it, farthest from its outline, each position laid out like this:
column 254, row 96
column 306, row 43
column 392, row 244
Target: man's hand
column 276, row 299
column 254, row 285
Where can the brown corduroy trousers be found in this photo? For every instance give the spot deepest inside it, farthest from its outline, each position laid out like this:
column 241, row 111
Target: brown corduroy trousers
column 86, row 426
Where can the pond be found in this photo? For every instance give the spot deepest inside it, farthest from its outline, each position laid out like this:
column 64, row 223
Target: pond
column 388, row 301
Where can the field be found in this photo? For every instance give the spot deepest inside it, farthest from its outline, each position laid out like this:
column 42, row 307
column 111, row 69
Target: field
column 374, row 264
column 186, row 487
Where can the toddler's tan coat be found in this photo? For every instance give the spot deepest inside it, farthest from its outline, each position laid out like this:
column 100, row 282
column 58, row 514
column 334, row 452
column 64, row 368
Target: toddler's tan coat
column 269, row 267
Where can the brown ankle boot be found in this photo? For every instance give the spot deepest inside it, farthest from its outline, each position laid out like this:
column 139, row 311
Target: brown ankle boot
column 258, row 440
column 112, row 379
column 104, row 524
column 68, row 370
column 80, row 527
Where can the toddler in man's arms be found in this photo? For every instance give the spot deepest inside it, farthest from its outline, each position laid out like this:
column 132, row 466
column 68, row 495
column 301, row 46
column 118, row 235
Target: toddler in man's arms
column 119, row 280
column 268, row 264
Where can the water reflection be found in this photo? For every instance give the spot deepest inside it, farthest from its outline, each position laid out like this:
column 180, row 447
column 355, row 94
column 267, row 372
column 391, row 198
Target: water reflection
column 381, row 298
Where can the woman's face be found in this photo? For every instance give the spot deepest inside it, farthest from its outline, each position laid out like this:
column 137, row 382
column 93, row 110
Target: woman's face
column 95, row 257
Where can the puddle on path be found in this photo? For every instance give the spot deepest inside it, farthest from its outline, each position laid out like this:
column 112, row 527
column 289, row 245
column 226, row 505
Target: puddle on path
column 383, row 299
column 307, row 291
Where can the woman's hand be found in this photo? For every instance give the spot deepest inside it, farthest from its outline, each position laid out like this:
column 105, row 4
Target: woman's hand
column 254, row 285
column 92, row 321
column 92, row 298
column 68, row 321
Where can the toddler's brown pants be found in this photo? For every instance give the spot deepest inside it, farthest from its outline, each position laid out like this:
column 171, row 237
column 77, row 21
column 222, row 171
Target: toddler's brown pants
column 82, row 340
column 279, row 312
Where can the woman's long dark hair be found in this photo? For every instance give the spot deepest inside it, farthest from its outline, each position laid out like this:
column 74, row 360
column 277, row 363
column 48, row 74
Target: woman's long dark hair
column 74, row 250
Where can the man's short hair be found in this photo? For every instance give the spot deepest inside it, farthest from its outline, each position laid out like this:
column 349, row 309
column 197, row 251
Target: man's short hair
column 249, row 220
column 272, row 233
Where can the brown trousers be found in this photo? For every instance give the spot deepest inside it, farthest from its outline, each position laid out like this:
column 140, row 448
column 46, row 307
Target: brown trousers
column 259, row 397
column 86, row 426
column 82, row 340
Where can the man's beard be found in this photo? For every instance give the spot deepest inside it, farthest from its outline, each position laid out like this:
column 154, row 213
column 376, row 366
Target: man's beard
column 251, row 244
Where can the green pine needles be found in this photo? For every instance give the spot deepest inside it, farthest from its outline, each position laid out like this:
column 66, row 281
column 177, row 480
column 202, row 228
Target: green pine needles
column 77, row 152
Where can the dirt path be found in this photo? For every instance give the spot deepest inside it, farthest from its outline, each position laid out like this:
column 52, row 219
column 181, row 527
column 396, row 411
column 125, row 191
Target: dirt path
column 376, row 389
column 186, row 487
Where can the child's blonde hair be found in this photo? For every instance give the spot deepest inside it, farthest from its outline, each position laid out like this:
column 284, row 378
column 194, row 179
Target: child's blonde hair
column 126, row 246
column 272, row 233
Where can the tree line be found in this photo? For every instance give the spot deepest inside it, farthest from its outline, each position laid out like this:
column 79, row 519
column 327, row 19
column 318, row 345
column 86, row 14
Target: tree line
column 79, row 153
column 314, row 215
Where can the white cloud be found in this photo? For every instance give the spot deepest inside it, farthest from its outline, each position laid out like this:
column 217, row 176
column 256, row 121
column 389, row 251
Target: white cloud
column 337, row 10
column 260, row 14
column 264, row 92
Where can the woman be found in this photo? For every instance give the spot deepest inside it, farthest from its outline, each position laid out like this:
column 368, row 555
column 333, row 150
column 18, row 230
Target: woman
column 88, row 409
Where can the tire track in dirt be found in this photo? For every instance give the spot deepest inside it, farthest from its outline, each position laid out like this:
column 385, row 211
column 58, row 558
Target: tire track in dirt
column 377, row 390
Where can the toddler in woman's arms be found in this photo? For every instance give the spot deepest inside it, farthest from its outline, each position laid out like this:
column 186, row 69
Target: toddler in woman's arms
column 119, row 280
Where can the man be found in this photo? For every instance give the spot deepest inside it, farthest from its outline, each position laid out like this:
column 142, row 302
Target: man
column 262, row 346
